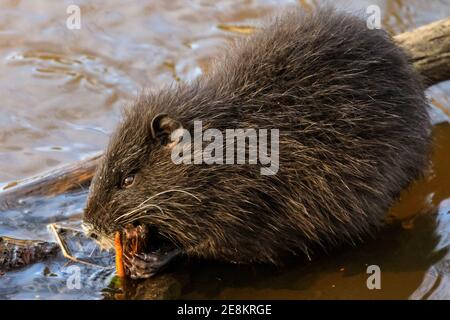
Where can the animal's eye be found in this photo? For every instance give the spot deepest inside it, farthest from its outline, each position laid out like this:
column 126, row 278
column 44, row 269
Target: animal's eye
column 128, row 181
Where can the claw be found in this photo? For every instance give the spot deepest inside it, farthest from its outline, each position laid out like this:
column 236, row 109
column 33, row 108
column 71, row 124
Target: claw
column 146, row 265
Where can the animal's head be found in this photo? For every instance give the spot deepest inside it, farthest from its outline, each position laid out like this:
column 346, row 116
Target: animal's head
column 137, row 182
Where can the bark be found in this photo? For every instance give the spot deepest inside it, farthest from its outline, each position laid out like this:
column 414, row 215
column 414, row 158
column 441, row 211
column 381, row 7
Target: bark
column 429, row 48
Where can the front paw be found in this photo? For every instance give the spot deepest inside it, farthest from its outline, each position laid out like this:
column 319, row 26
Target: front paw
column 146, row 265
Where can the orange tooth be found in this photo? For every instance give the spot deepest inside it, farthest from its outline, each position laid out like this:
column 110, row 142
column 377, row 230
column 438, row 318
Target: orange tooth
column 120, row 270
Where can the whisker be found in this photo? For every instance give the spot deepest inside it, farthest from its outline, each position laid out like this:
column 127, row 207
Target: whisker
column 174, row 190
column 141, row 206
column 147, row 206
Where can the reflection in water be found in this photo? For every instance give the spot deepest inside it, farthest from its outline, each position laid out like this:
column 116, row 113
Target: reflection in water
column 62, row 92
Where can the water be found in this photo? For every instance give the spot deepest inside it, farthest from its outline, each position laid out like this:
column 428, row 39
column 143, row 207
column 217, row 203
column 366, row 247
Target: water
column 62, row 91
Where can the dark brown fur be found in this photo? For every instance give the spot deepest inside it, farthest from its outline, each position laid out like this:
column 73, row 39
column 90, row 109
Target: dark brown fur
column 354, row 132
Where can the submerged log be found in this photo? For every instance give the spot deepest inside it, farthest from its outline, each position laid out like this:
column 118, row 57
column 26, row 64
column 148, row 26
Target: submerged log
column 17, row 253
column 71, row 177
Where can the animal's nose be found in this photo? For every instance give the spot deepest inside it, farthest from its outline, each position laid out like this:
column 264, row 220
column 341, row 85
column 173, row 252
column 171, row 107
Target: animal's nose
column 88, row 229
column 92, row 235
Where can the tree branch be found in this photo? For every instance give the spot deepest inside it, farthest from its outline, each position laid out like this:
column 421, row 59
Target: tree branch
column 429, row 48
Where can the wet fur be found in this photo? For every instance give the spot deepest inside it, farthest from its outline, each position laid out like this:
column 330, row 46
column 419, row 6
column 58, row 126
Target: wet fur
column 354, row 132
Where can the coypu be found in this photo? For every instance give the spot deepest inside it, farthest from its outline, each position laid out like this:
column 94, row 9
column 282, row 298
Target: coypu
column 353, row 132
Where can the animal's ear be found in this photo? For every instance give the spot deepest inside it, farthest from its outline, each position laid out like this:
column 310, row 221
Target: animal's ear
column 163, row 126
